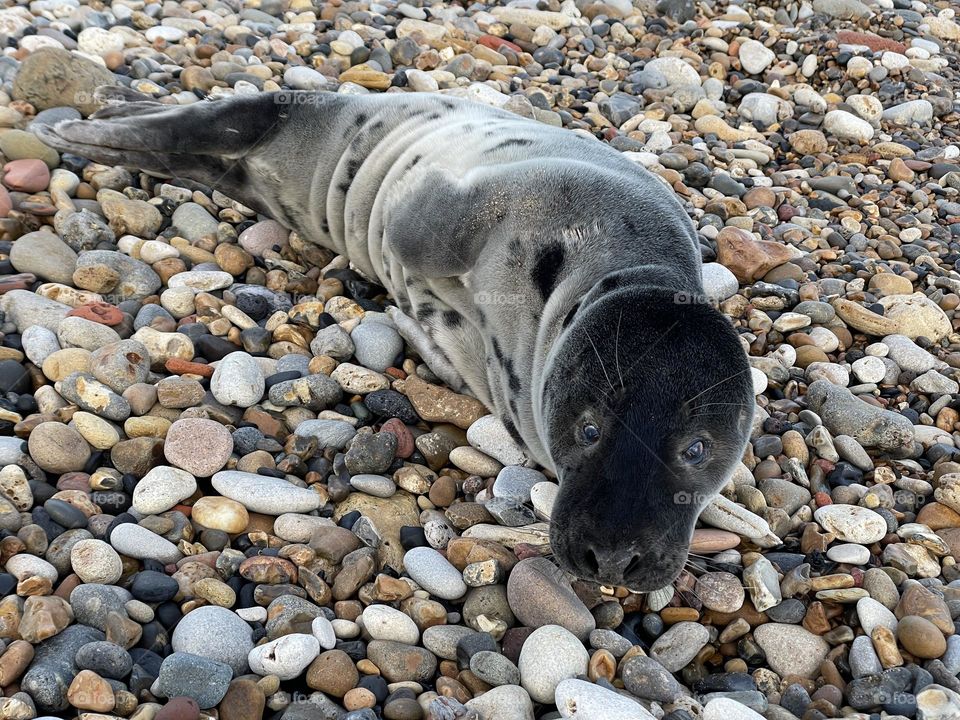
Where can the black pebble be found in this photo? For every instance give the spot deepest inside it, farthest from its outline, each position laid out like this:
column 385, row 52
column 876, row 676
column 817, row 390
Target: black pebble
column 150, row 586
column 14, row 377
column 412, row 536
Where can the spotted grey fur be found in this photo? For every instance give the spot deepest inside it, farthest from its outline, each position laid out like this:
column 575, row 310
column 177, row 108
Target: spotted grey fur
column 534, row 267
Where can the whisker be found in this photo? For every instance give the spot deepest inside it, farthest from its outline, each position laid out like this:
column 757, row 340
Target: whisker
column 616, row 350
column 597, row 352
column 719, row 382
column 725, row 404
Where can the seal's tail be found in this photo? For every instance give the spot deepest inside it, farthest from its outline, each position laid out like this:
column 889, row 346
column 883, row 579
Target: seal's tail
column 204, row 142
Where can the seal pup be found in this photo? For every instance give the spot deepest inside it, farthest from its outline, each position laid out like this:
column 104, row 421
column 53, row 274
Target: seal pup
column 537, row 268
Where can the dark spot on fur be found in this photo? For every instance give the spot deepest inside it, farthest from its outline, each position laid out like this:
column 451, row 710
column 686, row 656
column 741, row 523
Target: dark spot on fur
column 609, row 283
column 512, row 142
column 352, row 167
column 433, row 116
column 376, row 126
column 513, row 407
column 449, row 104
column 573, row 311
column 409, row 282
column 630, row 225
column 361, row 119
column 343, row 187
column 324, row 225
column 512, row 430
column 451, row 318
column 425, row 312
column 497, row 352
column 512, row 380
column 546, row 271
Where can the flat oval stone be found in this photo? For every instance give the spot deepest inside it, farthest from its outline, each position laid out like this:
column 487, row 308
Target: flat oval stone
column 852, row 523
column 537, row 597
column 137, row 542
column 434, row 573
column 267, row 495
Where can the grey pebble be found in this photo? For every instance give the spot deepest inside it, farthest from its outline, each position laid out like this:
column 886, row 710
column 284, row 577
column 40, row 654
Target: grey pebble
column 200, row 678
column 215, row 633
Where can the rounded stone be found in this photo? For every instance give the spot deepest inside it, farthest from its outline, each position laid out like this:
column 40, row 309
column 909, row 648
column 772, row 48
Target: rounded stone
column 94, row 561
column 161, row 489
column 434, row 573
column 550, row 655
column 238, row 380
column 217, row 634
column 921, row 638
column 286, row 657
column 220, row 513
column 58, row 448
column 383, row 622
column 376, row 345
column 199, row 446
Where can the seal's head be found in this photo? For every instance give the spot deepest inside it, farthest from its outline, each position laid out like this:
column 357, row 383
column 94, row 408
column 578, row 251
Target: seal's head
column 647, row 406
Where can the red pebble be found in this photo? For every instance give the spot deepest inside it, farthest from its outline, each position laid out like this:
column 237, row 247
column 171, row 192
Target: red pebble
column 821, row 498
column 874, row 42
column 178, row 366
column 179, row 708
column 21, row 281
column 26, row 175
column 496, row 43
column 98, row 312
column 405, row 444
column 526, row 550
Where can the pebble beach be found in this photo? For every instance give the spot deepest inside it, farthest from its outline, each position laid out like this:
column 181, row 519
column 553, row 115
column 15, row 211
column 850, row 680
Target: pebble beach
column 229, row 490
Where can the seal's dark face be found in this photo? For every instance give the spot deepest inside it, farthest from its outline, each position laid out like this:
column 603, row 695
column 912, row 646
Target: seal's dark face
column 650, row 403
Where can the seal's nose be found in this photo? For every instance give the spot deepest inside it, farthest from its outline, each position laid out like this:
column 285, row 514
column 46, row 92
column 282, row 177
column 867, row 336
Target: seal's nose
column 615, row 566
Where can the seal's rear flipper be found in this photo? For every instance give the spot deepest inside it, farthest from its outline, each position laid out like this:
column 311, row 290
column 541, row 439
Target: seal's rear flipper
column 205, row 142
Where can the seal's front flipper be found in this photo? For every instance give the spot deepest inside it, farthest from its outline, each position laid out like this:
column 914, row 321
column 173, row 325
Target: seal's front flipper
column 205, row 142
column 414, row 333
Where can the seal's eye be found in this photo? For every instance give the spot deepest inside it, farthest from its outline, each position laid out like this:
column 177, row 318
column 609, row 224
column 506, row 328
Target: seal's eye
column 696, row 453
column 591, row 434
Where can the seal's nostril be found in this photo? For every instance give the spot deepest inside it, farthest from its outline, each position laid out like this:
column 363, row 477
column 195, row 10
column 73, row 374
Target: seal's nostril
column 590, row 561
column 633, row 568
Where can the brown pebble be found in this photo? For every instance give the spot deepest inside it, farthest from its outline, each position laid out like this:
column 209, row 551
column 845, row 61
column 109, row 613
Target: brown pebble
column 333, row 672
column 244, row 701
column 357, row 699
column 89, row 691
column 921, row 638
